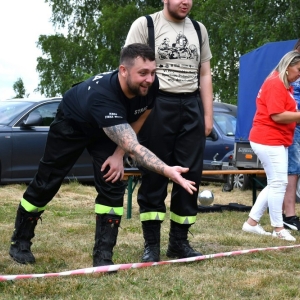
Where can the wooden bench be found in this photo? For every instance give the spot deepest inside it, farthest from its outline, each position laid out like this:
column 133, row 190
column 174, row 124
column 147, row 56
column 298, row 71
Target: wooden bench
column 132, row 175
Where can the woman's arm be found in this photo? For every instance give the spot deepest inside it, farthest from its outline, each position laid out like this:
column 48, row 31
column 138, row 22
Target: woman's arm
column 286, row 117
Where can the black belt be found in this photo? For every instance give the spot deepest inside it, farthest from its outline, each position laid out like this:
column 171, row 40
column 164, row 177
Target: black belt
column 195, row 93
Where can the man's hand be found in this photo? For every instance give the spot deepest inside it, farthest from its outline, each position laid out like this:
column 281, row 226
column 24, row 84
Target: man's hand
column 174, row 173
column 208, row 125
column 116, row 168
column 124, row 136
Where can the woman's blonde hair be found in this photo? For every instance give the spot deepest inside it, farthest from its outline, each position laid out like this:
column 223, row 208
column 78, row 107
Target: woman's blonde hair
column 288, row 60
column 297, row 46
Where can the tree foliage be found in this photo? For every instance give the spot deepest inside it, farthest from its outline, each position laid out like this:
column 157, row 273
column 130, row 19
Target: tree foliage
column 236, row 27
column 97, row 31
column 19, row 88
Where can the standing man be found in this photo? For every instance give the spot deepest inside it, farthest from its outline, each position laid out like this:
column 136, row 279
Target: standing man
column 95, row 115
column 183, row 117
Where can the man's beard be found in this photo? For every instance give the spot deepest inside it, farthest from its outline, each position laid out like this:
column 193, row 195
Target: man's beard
column 135, row 89
column 175, row 15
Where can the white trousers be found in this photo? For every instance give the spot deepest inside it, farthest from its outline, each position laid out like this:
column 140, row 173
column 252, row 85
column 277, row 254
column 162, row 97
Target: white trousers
column 275, row 162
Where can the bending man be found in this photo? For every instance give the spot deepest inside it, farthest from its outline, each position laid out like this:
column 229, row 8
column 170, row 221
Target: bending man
column 95, row 115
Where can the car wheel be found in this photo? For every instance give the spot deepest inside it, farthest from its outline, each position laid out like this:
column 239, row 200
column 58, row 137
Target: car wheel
column 298, row 190
column 240, row 181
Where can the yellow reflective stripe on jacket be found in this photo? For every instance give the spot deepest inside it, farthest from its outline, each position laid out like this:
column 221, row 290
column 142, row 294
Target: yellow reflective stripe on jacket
column 31, row 208
column 152, row 216
column 103, row 209
column 182, row 220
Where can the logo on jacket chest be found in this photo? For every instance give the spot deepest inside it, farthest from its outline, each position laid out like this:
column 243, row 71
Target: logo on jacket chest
column 140, row 110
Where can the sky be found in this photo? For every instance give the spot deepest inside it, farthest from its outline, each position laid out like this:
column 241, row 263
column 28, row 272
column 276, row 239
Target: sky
column 21, row 24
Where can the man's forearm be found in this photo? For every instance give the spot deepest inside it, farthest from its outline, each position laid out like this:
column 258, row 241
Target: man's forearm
column 206, row 93
column 124, row 136
column 136, row 126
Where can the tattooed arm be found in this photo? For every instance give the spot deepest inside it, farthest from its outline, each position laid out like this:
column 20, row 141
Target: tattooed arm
column 124, row 136
column 115, row 161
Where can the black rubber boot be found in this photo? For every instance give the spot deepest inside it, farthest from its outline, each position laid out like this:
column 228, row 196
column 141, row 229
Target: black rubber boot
column 107, row 227
column 23, row 233
column 151, row 232
column 179, row 246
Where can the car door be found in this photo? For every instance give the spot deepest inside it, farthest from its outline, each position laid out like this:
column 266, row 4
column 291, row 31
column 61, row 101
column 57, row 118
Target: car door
column 219, row 143
column 212, row 148
column 28, row 142
column 28, row 145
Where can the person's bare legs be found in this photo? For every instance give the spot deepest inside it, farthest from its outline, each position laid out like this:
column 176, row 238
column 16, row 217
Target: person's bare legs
column 290, row 196
column 252, row 222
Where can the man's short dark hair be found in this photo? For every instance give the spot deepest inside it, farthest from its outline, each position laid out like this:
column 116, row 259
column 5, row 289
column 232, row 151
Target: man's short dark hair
column 132, row 51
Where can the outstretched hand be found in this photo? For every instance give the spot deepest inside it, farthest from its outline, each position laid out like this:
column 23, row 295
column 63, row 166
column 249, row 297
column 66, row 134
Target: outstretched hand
column 174, row 173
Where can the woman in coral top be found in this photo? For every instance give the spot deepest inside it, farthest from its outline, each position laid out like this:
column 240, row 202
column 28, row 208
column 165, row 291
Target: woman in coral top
column 271, row 134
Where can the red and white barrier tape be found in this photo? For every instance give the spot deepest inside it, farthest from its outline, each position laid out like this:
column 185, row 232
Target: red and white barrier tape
column 112, row 268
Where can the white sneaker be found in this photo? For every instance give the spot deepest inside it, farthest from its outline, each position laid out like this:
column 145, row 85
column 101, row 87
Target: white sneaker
column 257, row 229
column 284, row 235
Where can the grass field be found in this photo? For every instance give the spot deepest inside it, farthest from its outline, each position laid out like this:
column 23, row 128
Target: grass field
column 64, row 241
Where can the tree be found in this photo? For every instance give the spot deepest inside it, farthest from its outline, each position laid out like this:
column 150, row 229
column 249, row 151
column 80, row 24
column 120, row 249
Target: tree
column 96, row 34
column 97, row 31
column 19, row 89
column 236, row 27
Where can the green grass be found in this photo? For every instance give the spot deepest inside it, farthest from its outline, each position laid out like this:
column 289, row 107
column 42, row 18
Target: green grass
column 64, row 241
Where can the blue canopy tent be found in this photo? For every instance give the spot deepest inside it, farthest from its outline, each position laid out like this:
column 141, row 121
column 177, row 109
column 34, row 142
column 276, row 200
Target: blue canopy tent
column 255, row 66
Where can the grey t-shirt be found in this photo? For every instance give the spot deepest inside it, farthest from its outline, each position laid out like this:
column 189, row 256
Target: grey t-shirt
column 177, row 51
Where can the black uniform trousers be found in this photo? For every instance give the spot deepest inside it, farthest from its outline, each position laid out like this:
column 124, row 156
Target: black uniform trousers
column 65, row 143
column 175, row 132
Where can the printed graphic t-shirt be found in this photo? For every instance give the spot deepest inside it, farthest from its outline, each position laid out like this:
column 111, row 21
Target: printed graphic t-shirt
column 177, row 51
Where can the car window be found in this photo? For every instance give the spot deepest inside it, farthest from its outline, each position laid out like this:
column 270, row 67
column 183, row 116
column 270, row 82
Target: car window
column 48, row 112
column 226, row 122
column 11, row 109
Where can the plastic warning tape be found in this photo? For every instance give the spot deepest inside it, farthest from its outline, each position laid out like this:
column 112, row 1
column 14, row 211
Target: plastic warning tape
column 112, row 268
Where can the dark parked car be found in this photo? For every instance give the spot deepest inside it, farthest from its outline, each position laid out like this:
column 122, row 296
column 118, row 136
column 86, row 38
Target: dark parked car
column 24, row 125
column 220, row 143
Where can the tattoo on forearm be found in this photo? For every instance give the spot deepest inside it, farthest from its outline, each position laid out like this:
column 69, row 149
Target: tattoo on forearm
column 124, row 136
